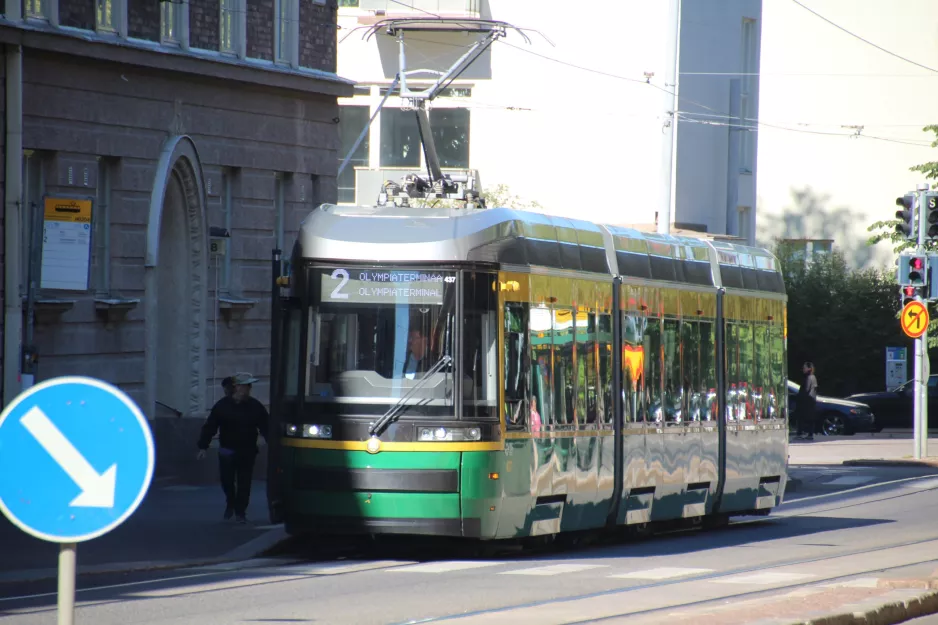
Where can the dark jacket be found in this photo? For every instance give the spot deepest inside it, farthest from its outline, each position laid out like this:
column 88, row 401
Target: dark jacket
column 237, row 424
column 807, row 394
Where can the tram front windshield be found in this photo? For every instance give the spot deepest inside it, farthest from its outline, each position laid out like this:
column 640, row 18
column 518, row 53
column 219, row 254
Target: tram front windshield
column 378, row 335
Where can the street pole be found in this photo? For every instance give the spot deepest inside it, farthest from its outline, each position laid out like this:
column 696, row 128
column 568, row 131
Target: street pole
column 670, row 101
column 66, row 603
column 920, row 420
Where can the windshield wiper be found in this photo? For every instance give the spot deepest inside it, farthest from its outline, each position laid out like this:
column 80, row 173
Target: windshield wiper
column 394, row 412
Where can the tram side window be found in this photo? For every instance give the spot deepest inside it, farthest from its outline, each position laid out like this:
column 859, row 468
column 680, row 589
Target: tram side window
column 604, row 394
column 779, row 384
column 762, row 391
column 691, row 399
column 541, row 343
column 672, row 371
column 586, row 366
column 291, row 352
column 732, row 372
column 653, row 367
column 633, row 368
column 708, row 371
column 516, row 367
column 746, row 367
column 562, row 326
column 479, row 356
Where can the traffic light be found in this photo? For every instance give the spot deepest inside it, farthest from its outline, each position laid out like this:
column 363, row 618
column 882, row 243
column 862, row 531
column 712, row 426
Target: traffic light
column 931, row 215
column 911, row 293
column 918, row 270
column 906, row 217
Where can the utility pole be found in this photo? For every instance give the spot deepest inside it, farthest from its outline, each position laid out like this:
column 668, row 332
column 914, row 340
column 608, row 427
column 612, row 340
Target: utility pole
column 921, row 343
column 670, row 101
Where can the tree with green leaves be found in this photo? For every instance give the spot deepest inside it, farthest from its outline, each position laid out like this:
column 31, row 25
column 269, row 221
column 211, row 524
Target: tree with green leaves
column 840, row 319
column 885, row 230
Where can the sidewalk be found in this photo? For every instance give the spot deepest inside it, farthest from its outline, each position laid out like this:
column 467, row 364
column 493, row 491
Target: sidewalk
column 883, row 449
column 175, row 525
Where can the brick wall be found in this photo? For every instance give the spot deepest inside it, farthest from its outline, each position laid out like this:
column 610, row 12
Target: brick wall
column 204, row 24
column 318, row 35
column 143, row 19
column 77, row 13
column 260, row 32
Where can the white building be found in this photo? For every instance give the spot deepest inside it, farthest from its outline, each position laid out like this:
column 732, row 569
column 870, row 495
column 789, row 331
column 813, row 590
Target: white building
column 841, row 120
column 574, row 123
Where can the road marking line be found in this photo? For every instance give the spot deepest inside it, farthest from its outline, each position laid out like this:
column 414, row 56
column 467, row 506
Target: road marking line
column 443, row 567
column 554, row 569
column 766, row 577
column 338, row 568
column 664, row 572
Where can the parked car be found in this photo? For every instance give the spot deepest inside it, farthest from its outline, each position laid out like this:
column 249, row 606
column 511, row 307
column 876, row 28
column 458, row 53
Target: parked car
column 835, row 416
column 894, row 408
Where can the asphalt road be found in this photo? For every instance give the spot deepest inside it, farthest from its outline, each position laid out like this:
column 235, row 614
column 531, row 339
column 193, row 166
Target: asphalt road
column 840, row 524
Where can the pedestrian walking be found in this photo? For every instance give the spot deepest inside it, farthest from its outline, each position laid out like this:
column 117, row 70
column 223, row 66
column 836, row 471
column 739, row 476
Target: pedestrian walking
column 806, row 403
column 237, row 418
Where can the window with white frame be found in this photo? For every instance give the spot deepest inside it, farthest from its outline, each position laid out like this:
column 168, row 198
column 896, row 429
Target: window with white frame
column 352, row 120
column 286, row 32
column 37, row 9
column 173, row 21
column 749, row 84
column 107, row 16
column 233, row 23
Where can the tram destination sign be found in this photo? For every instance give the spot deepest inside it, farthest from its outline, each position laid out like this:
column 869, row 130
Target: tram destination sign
column 384, row 286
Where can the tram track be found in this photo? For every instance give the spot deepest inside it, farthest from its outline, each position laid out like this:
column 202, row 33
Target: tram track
column 705, row 578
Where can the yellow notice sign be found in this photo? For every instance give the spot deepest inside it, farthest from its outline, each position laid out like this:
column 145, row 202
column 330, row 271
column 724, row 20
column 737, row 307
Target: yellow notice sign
column 67, row 209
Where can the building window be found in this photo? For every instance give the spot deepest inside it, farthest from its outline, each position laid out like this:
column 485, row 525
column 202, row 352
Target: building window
column 400, row 138
column 744, row 220
column 352, row 120
column 806, row 250
column 749, row 89
column 173, row 21
column 107, row 18
column 451, row 136
column 233, row 20
column 286, row 34
column 348, row 3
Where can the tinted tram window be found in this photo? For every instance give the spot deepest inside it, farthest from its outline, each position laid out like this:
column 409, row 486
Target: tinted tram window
column 516, row 365
column 563, row 366
column 762, row 377
column 291, row 352
column 653, row 370
column 732, row 371
column 604, row 339
column 542, row 363
column 708, row 370
column 778, row 382
column 746, row 367
column 633, row 367
column 691, row 399
column 586, row 366
column 672, row 370
column 479, row 356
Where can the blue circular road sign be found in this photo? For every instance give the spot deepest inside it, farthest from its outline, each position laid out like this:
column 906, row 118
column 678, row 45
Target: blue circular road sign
column 76, row 459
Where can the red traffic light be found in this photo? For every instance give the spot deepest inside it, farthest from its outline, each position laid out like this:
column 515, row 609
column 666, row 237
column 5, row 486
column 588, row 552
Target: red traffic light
column 916, row 263
column 909, row 291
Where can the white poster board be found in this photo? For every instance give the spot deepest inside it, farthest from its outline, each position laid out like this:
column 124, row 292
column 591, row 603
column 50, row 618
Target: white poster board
column 66, row 244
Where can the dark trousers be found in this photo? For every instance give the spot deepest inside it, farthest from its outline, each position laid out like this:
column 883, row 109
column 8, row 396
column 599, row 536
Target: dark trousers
column 806, row 419
column 236, row 470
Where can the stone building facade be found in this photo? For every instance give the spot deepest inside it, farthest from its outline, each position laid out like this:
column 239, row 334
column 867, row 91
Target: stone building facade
column 202, row 132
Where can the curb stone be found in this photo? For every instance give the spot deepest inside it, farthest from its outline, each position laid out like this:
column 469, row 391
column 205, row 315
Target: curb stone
column 254, row 548
column 903, row 462
column 906, row 605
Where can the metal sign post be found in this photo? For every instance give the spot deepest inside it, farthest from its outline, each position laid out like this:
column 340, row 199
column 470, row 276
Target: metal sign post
column 77, row 459
column 921, row 344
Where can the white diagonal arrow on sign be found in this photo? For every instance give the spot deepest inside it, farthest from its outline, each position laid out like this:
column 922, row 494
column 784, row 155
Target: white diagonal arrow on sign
column 97, row 490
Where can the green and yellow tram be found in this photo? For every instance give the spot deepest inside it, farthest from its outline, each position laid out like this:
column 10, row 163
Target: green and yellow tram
column 495, row 373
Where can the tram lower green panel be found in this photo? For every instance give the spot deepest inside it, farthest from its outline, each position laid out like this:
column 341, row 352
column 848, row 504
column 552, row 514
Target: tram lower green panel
column 430, row 493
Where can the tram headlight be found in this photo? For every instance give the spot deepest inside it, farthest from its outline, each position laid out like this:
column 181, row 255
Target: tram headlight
column 427, row 434
column 290, row 429
column 313, row 430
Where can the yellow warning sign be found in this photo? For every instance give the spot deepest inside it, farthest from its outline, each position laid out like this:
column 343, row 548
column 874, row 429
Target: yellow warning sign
column 914, row 319
column 68, row 209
